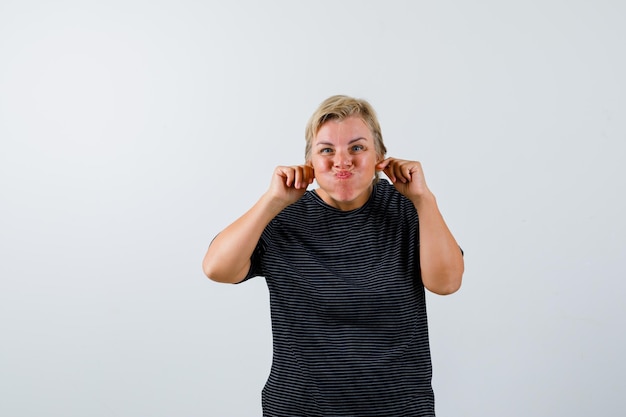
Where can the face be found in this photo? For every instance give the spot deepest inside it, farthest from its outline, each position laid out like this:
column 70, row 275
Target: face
column 344, row 159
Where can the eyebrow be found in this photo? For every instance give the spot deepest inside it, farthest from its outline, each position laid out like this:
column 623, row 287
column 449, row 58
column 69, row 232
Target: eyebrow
column 349, row 143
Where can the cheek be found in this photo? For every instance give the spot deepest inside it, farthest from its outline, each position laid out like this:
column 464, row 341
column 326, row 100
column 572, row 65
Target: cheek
column 367, row 160
column 321, row 164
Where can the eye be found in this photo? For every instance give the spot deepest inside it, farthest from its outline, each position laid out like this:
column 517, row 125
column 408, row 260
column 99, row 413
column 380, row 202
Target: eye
column 357, row 148
column 326, row 150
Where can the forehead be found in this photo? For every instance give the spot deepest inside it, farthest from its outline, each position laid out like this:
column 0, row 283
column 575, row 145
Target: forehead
column 350, row 128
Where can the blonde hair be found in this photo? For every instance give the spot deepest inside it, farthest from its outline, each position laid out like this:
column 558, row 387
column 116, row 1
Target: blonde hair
column 340, row 107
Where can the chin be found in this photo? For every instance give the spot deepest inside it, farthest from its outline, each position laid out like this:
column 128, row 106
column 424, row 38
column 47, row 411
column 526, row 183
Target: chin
column 349, row 196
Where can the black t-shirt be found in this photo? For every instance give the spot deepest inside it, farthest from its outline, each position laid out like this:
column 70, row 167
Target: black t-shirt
column 350, row 332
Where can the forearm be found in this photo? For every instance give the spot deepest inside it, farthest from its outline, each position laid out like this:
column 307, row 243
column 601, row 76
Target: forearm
column 228, row 257
column 441, row 260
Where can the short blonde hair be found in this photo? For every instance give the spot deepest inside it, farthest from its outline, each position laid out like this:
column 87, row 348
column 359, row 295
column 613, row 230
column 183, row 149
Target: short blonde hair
column 341, row 107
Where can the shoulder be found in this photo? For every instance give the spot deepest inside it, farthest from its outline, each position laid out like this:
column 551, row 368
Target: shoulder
column 299, row 211
column 385, row 194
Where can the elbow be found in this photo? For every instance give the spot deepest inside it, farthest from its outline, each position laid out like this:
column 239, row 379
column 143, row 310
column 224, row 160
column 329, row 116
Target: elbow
column 445, row 289
column 212, row 274
column 217, row 274
column 210, row 270
column 446, row 284
column 443, row 275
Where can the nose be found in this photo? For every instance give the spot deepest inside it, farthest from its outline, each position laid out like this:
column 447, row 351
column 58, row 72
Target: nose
column 342, row 159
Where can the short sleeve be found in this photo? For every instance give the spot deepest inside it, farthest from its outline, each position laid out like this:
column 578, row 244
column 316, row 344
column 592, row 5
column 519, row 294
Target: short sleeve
column 256, row 260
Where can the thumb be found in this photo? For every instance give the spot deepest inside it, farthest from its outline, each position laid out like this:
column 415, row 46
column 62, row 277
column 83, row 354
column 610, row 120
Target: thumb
column 383, row 164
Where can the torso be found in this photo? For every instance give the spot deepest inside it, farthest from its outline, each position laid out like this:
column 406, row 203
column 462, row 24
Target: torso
column 348, row 309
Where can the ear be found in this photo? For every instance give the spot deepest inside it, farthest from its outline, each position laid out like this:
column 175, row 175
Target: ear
column 381, row 164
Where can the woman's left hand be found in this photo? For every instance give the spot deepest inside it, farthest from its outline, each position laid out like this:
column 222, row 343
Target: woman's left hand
column 406, row 176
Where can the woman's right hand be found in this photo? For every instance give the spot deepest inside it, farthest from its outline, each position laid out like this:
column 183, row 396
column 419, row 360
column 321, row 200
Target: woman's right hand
column 289, row 183
column 228, row 256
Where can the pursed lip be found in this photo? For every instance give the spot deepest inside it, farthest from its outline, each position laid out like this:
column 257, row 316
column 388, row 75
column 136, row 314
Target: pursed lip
column 343, row 175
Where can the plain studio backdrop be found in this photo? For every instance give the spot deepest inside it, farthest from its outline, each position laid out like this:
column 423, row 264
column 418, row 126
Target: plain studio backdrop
column 134, row 131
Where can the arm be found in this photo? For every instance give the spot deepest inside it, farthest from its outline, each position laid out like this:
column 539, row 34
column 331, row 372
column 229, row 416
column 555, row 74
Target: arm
column 228, row 257
column 441, row 260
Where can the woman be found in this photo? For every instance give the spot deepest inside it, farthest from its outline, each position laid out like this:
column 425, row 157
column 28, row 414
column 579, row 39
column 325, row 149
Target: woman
column 346, row 266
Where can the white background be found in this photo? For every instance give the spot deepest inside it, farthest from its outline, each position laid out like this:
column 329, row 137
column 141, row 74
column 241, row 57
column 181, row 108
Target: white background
column 133, row 131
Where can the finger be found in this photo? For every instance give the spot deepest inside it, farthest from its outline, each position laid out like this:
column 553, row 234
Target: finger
column 393, row 171
column 400, row 173
column 300, row 181
column 382, row 165
column 397, row 173
column 405, row 172
column 304, row 176
column 385, row 166
column 289, row 176
column 415, row 171
column 310, row 174
column 389, row 173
